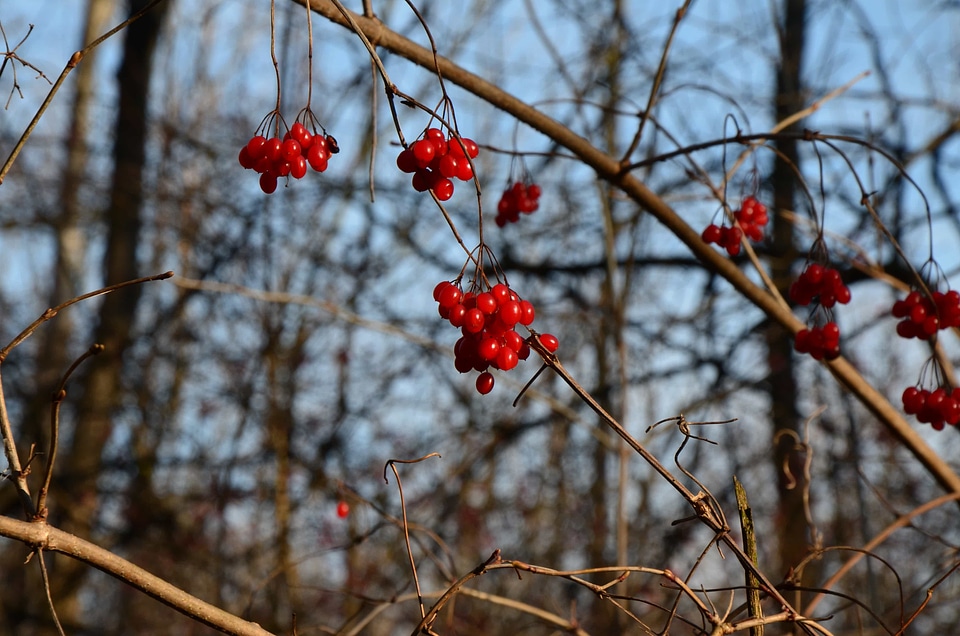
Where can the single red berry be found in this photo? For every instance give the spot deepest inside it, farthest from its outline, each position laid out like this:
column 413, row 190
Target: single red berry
column 513, row 340
column 298, row 167
column 533, row 191
column 509, row 313
column 484, row 383
column 406, row 161
column 343, row 509
column 464, row 170
column 272, row 149
column 449, row 296
column 255, row 146
column 317, row 157
column 473, row 321
column 486, row 303
column 448, row 166
column 457, row 314
column 245, row 159
column 290, row 149
column 501, row 293
column 507, row 358
column 527, row 312
column 488, row 349
column 423, row 152
column 443, row 188
column 422, row 180
column 711, row 234
column 268, row 182
column 549, row 342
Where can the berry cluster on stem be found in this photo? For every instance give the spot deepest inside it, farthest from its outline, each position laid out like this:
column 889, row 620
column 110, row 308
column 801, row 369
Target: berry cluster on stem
column 922, row 316
column 751, row 218
column 820, row 284
column 823, row 287
column 822, row 343
column 937, row 408
column 274, row 158
column 520, row 197
column 435, row 161
column 487, row 320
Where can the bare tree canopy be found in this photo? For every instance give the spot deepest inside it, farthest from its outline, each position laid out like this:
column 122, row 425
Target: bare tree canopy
column 479, row 317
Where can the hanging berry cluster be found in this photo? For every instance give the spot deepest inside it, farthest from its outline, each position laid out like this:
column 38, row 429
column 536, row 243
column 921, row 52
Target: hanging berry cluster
column 822, row 343
column 938, row 407
column 823, row 287
column 488, row 320
column 435, row 160
column 520, row 197
column 817, row 283
column 751, row 219
column 923, row 316
column 275, row 158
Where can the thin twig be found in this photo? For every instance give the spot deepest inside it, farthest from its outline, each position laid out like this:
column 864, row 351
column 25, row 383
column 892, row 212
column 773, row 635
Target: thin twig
column 74, row 60
column 59, row 395
column 391, row 464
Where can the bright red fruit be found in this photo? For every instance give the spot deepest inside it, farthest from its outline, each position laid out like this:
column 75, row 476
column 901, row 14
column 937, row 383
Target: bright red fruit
column 549, row 342
column 423, row 152
column 443, row 188
column 343, row 509
column 484, row 383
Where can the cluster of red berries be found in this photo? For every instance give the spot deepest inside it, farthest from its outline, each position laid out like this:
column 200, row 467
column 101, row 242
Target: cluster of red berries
column 822, row 343
column 274, row 158
column 923, row 316
column 938, row 407
column 487, row 321
column 520, row 197
column 751, row 219
column 435, row 160
column 726, row 237
column 820, row 283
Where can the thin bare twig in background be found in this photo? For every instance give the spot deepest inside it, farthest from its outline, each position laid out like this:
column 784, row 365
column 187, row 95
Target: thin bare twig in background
column 391, row 464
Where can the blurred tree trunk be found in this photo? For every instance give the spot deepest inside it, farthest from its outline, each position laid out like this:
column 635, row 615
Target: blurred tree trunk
column 791, row 522
column 102, row 389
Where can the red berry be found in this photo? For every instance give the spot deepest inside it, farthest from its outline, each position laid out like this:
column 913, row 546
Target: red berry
column 245, row 159
column 484, row 383
column 423, row 152
column 268, row 183
column 443, row 188
column 507, row 358
column 474, row 320
column 912, row 400
column 255, row 146
column 549, row 342
column 527, row 313
column 486, row 303
column 448, row 166
column 298, row 167
column 488, row 349
column 509, row 313
column 501, row 293
column 449, row 296
column 272, row 149
column 464, row 170
column 317, row 157
column 406, row 161
column 290, row 150
column 343, row 509
column 711, row 234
